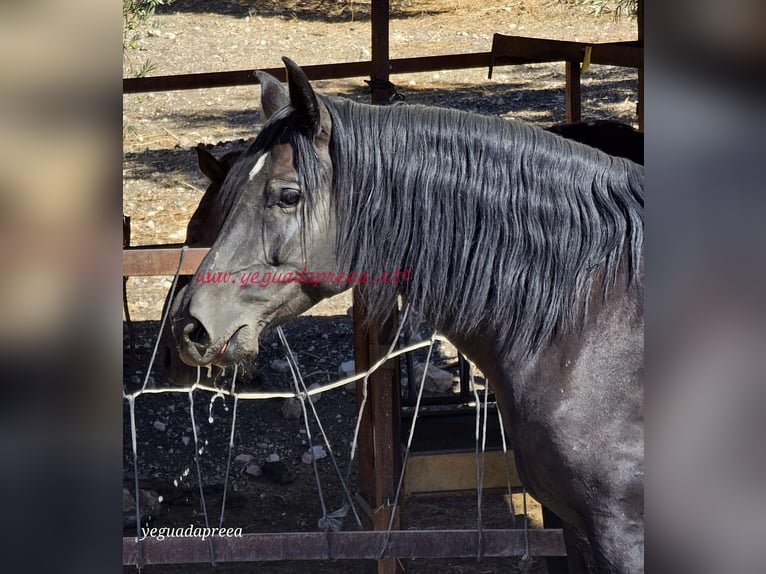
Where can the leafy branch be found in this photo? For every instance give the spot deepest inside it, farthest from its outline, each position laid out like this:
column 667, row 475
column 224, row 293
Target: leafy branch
column 618, row 7
column 135, row 15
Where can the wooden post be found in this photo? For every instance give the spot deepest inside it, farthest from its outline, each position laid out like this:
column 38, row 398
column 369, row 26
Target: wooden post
column 380, row 51
column 380, row 454
column 382, row 421
column 574, row 92
column 362, row 362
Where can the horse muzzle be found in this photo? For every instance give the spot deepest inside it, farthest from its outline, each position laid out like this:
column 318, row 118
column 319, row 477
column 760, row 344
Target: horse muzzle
column 196, row 348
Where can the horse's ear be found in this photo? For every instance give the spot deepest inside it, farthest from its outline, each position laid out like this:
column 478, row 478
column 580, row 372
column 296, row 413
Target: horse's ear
column 303, row 98
column 210, row 166
column 274, row 96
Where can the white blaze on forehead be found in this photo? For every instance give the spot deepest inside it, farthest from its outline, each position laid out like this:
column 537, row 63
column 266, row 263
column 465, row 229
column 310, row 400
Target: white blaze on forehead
column 258, row 166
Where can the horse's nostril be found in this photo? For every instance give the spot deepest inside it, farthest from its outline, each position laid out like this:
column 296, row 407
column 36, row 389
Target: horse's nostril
column 197, row 333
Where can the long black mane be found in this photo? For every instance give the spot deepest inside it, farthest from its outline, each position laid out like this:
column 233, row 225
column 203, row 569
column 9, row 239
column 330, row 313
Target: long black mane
column 502, row 223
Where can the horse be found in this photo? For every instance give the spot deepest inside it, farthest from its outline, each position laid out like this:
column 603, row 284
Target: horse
column 526, row 251
column 610, row 136
column 201, row 231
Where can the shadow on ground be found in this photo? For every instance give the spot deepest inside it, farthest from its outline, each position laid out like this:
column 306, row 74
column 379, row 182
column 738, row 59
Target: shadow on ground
column 305, row 10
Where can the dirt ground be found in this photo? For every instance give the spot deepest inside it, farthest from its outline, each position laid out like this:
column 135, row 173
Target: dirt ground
column 161, row 188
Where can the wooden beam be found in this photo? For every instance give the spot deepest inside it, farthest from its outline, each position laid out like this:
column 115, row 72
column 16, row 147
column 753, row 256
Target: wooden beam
column 239, row 77
column 506, row 50
column 522, row 50
column 526, row 51
column 160, row 260
column 439, row 63
column 313, row 72
column 452, row 472
column 340, row 546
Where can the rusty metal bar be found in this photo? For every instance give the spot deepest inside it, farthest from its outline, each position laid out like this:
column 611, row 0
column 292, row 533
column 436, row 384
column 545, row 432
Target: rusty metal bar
column 366, row 545
column 160, row 260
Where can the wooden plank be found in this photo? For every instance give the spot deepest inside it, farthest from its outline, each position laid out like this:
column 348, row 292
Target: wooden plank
column 506, row 50
column 238, row 77
column 313, row 72
column 521, row 50
column 439, row 63
column 341, row 546
column 624, row 54
column 160, row 260
column 448, row 472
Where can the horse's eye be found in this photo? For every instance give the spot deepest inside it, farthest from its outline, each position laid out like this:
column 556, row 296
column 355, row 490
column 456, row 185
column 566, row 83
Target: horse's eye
column 289, row 197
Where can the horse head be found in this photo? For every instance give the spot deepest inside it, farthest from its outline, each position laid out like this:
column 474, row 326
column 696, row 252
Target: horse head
column 200, row 232
column 274, row 221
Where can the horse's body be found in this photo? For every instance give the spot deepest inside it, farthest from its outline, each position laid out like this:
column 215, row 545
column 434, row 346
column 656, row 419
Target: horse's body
column 527, row 252
column 610, row 136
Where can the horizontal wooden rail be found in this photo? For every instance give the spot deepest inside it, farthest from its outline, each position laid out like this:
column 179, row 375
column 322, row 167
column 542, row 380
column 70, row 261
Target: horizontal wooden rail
column 506, row 50
column 366, row 545
column 160, row 260
column 313, row 72
column 509, row 50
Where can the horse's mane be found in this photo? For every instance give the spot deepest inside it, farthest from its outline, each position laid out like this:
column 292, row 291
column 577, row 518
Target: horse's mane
column 501, row 222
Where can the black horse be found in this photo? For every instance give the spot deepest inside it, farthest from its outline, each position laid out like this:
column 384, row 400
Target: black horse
column 526, row 250
column 610, row 136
